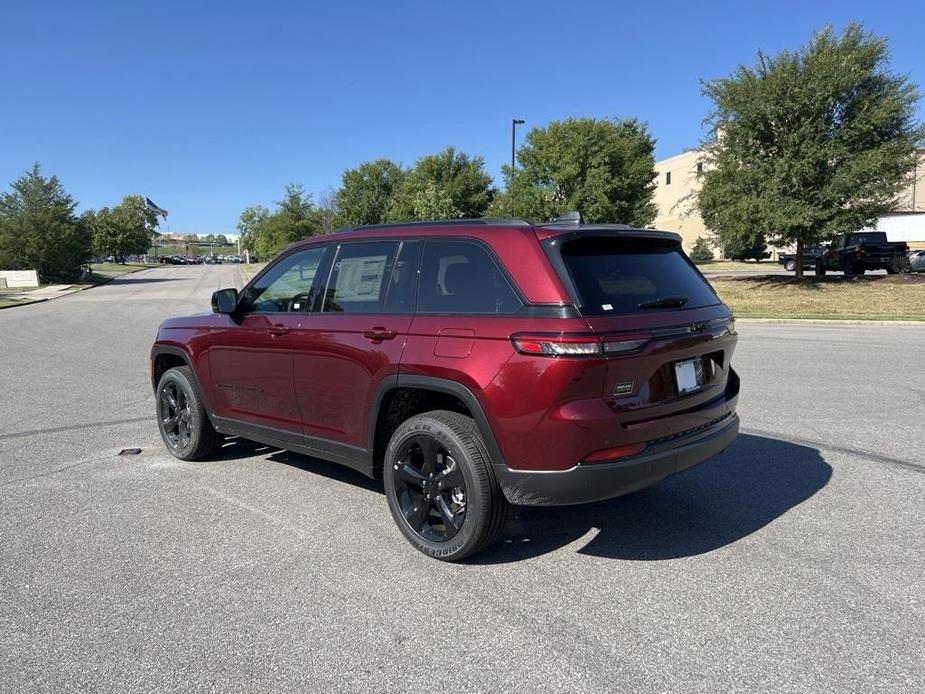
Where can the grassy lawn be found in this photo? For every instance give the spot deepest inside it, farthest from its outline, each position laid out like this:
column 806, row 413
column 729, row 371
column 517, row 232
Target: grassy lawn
column 888, row 297
column 738, row 266
column 251, row 269
column 116, row 269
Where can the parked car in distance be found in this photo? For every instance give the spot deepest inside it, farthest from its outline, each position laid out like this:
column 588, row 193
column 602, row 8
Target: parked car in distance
column 810, row 255
column 213, row 260
column 468, row 364
column 860, row 251
column 917, row 260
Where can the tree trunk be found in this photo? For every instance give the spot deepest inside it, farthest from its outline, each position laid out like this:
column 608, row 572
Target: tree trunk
column 799, row 267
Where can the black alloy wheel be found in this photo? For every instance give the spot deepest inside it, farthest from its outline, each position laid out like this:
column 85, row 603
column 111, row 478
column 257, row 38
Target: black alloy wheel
column 176, row 415
column 182, row 418
column 430, row 488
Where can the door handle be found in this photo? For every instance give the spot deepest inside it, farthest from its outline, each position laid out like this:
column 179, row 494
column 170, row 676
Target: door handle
column 378, row 334
column 278, row 331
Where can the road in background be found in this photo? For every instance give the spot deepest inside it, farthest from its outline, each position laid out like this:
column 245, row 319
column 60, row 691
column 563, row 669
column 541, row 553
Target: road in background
column 793, row 562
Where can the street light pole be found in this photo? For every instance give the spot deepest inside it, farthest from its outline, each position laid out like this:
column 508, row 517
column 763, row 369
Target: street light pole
column 514, row 123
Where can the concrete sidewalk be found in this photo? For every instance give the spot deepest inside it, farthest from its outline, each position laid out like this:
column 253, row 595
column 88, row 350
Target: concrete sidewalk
column 52, row 291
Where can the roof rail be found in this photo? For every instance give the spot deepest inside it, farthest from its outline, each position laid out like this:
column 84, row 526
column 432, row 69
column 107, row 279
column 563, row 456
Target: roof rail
column 446, row 222
column 567, row 218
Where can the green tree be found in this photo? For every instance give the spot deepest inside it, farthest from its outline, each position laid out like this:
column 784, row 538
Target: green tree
column 809, row 143
column 744, row 246
column 367, row 191
column 328, row 211
column 126, row 229
column 295, row 218
column 458, row 177
column 603, row 168
column 221, row 239
column 40, row 231
column 249, row 224
column 431, row 202
column 701, row 251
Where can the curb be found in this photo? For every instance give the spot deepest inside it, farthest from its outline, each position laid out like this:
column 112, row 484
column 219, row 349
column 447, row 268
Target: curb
column 830, row 321
column 27, row 303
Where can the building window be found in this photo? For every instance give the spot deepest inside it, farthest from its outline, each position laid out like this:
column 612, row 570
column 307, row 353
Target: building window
column 699, row 168
column 667, row 178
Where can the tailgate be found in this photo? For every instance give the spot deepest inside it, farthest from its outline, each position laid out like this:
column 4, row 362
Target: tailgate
column 684, row 365
column 629, row 287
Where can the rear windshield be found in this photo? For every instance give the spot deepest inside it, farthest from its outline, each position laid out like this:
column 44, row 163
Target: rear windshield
column 869, row 237
column 627, row 275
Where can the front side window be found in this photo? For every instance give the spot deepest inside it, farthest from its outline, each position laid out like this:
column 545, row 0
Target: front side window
column 358, row 277
column 461, row 277
column 287, row 286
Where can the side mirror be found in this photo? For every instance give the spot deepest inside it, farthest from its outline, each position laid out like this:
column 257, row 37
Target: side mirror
column 224, row 300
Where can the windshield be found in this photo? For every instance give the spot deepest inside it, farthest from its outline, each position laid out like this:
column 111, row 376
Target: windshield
column 632, row 275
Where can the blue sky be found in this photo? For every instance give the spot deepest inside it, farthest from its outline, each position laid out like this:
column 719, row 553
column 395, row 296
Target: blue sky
column 208, row 107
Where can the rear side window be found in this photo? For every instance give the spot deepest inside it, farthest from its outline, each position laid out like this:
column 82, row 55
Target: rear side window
column 461, row 277
column 633, row 275
column 358, row 276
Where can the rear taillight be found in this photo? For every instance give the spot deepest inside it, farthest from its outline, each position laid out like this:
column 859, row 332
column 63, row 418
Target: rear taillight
column 578, row 345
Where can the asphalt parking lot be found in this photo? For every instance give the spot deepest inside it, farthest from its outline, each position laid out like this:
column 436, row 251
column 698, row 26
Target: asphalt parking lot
column 794, row 562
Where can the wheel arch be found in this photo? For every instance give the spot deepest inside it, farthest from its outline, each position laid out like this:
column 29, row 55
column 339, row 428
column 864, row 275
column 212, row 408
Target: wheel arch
column 164, row 357
column 402, row 396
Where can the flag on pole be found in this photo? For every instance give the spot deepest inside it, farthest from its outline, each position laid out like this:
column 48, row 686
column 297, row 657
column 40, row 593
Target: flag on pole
column 158, row 210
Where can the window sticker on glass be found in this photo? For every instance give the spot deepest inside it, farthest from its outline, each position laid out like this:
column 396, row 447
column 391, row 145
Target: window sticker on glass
column 607, row 307
column 359, row 279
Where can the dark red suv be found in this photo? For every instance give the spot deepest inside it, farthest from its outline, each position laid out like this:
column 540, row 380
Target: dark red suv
column 469, row 364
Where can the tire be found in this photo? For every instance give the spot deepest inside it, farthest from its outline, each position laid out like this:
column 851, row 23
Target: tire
column 790, row 265
column 426, row 451
column 181, row 416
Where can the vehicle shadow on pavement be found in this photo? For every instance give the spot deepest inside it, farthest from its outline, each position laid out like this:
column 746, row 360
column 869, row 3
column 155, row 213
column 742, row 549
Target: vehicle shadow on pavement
column 706, row 507
column 236, row 448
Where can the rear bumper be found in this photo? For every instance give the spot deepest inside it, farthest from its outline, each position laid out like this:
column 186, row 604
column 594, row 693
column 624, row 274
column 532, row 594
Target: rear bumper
column 596, row 482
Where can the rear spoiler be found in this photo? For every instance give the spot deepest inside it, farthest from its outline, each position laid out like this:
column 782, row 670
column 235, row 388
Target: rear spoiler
column 567, row 233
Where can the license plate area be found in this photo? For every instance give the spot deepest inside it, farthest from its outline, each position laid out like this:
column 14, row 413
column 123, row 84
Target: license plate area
column 688, row 376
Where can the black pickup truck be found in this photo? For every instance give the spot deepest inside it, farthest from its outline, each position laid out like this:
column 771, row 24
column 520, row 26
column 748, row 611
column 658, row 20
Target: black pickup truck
column 810, row 255
column 859, row 251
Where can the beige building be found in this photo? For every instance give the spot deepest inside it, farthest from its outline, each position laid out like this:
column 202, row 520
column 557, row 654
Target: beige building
column 678, row 181
column 676, row 187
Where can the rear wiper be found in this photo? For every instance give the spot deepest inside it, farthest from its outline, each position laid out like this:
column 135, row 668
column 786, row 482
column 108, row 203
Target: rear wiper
column 665, row 302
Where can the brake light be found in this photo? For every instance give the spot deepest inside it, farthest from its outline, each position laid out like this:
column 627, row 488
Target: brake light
column 607, row 454
column 578, row 345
